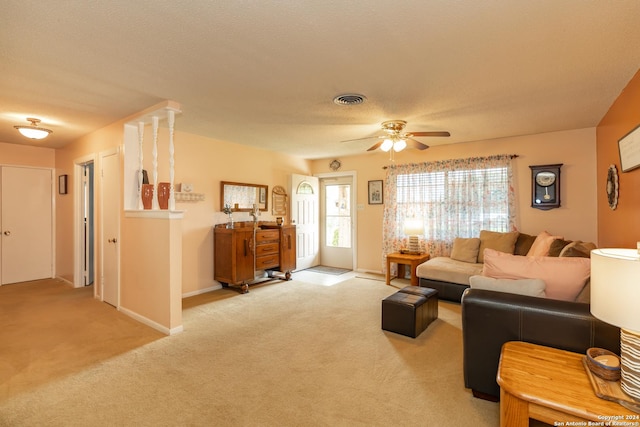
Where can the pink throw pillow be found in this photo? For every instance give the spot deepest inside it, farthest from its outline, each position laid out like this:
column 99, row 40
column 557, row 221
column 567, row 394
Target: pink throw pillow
column 542, row 244
column 564, row 277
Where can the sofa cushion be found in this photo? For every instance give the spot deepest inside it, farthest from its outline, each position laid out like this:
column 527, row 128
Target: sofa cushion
column 542, row 244
column 531, row 287
column 557, row 246
column 564, row 277
column 446, row 269
column 578, row 249
column 465, row 250
column 523, row 244
column 503, row 242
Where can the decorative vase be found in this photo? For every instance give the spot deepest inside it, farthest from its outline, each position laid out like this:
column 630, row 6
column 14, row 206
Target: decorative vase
column 147, row 195
column 163, row 194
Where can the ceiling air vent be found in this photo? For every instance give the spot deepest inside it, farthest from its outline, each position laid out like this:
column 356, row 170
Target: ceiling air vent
column 349, row 99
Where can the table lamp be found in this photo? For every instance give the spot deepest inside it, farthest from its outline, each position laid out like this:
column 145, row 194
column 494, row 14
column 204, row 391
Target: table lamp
column 615, row 293
column 413, row 227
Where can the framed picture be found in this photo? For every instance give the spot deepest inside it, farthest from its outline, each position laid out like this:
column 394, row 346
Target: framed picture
column 375, row 192
column 62, row 184
column 629, row 147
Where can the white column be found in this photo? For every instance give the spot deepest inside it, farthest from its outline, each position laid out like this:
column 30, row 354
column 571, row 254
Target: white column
column 140, row 167
column 156, row 205
column 172, row 200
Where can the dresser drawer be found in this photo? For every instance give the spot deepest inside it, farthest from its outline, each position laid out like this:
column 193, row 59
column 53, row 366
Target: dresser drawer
column 267, row 249
column 263, row 236
column 267, row 261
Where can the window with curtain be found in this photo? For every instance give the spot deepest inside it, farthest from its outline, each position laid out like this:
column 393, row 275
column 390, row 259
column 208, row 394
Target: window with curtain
column 452, row 198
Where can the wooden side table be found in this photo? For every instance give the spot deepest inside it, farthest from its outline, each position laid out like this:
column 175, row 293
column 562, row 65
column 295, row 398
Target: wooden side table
column 402, row 260
column 551, row 386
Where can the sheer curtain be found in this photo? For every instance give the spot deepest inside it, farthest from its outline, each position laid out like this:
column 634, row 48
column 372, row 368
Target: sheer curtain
column 452, row 198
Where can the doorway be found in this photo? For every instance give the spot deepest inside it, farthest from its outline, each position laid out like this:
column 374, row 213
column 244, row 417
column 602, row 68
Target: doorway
column 88, row 223
column 26, row 220
column 337, row 221
column 84, row 220
column 110, row 226
column 304, row 214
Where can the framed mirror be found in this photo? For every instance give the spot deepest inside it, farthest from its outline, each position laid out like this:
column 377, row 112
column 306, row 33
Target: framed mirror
column 241, row 196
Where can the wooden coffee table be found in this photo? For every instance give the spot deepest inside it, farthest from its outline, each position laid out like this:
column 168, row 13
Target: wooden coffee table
column 402, row 260
column 551, row 386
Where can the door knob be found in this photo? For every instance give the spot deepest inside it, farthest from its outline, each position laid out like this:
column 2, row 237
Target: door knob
column 7, row 233
column 114, row 240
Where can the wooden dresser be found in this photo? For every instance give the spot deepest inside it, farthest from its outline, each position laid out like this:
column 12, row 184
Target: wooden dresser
column 242, row 251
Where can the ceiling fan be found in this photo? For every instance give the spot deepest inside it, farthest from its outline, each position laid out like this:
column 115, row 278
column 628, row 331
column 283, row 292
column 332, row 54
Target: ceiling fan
column 396, row 138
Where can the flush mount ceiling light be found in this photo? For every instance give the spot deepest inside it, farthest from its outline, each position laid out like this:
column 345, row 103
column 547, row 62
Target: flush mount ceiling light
column 33, row 131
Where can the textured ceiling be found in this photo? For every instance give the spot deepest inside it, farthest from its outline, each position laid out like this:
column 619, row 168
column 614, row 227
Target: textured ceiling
column 264, row 73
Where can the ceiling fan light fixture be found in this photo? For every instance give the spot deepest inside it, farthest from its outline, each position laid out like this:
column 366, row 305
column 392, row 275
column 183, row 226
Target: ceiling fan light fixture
column 399, row 145
column 33, row 131
column 387, row 144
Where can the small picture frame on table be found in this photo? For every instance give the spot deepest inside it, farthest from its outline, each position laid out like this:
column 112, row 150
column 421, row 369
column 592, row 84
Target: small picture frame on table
column 62, row 184
column 375, row 192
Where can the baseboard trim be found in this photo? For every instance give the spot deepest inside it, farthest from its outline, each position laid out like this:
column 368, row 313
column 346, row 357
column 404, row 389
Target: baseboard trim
column 202, row 291
column 151, row 323
column 67, row 281
column 365, row 270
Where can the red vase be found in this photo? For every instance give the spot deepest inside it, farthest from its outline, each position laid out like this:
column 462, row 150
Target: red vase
column 147, row 195
column 164, row 189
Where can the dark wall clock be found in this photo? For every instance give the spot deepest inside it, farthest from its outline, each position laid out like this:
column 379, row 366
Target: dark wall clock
column 545, row 186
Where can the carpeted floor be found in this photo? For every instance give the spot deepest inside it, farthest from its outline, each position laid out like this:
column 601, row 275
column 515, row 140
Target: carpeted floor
column 285, row 354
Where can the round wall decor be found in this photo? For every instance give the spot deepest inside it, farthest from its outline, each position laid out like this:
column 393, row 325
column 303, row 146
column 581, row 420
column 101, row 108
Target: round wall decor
column 612, row 186
column 335, row 165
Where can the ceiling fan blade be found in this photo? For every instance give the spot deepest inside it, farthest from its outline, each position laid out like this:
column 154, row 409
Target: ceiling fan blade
column 375, row 146
column 435, row 133
column 361, row 139
column 416, row 144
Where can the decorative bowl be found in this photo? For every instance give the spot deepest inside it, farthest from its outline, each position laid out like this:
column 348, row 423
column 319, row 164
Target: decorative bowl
column 603, row 363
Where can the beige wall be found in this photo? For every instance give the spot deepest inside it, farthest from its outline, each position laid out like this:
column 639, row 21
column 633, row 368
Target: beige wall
column 575, row 219
column 203, row 162
column 25, row 155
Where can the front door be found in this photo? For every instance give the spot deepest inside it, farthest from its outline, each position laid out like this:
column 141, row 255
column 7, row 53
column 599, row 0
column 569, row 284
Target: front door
column 110, row 238
column 305, row 214
column 336, row 218
column 27, row 230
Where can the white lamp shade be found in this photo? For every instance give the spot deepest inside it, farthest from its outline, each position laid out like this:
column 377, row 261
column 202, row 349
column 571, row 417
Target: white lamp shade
column 615, row 287
column 413, row 227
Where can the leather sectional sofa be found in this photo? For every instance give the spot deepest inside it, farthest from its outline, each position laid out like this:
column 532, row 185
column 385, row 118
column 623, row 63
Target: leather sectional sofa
column 491, row 318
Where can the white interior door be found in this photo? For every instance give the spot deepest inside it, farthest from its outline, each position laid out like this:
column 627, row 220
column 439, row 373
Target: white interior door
column 305, row 199
column 336, row 220
column 27, row 224
column 110, row 237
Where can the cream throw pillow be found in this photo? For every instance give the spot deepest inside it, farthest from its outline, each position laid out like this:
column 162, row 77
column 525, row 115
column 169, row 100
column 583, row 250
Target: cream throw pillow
column 542, row 244
column 465, row 250
column 531, row 287
column 503, row 242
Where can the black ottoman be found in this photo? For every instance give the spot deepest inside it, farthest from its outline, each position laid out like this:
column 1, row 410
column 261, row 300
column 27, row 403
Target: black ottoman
column 408, row 314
